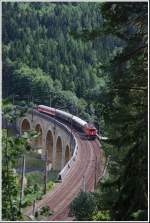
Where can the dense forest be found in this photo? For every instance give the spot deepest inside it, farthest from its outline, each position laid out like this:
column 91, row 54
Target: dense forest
column 89, row 59
column 41, row 57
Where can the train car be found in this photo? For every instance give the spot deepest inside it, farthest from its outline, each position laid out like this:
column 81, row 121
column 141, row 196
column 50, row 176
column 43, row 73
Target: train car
column 64, row 115
column 78, row 123
column 46, row 110
column 89, row 131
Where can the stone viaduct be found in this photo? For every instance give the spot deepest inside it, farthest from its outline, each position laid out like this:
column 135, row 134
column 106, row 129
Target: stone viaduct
column 54, row 139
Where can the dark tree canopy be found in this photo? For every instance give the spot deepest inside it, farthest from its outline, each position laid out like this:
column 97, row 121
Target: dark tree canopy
column 126, row 106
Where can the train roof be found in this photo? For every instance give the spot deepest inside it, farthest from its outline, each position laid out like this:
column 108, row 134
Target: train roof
column 46, row 107
column 73, row 117
column 64, row 113
column 79, row 120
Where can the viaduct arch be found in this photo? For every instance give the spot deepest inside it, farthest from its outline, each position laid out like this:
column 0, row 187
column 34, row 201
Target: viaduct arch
column 53, row 139
column 58, row 159
column 38, row 141
column 25, row 125
column 49, row 145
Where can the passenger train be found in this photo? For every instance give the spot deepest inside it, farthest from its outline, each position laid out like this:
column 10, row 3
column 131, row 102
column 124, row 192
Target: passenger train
column 89, row 131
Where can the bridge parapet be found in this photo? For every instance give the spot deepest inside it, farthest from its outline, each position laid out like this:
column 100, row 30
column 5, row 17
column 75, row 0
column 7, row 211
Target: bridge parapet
column 70, row 163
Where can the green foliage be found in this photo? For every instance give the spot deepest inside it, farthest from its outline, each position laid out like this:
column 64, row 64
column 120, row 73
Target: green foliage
column 124, row 191
column 45, row 211
column 12, row 148
column 83, row 206
column 9, row 193
column 48, row 60
column 32, row 192
column 34, row 177
column 102, row 216
column 139, row 215
column 50, row 185
column 121, row 102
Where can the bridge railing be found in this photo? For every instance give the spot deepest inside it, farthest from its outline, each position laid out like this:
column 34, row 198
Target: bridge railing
column 70, row 163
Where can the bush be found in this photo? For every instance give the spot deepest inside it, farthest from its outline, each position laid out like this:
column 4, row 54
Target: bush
column 27, row 201
column 32, row 193
column 102, row 216
column 50, row 185
column 139, row 215
column 83, row 206
column 45, row 211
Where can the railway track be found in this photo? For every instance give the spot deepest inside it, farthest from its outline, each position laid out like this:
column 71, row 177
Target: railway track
column 88, row 165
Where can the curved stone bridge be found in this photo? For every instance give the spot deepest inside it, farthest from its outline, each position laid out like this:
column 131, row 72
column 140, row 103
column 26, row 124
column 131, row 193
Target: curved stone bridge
column 80, row 162
column 54, row 138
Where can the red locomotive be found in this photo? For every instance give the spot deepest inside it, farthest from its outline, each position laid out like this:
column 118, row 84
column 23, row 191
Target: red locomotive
column 90, row 131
